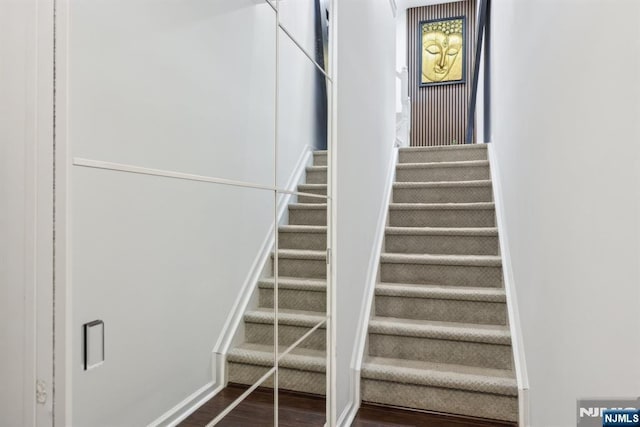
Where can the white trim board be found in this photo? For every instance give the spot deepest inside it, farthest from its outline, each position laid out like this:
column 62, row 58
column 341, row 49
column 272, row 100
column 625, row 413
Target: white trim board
column 296, row 178
column 63, row 331
column 512, row 301
column 26, row 223
column 394, row 7
column 349, row 413
column 332, row 215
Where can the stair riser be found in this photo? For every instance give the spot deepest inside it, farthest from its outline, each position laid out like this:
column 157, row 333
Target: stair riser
column 308, row 199
column 302, row 240
column 311, row 199
column 440, row 399
column 302, row 268
column 288, row 379
column 316, row 176
column 481, row 355
column 448, row 275
column 320, row 159
column 444, row 245
column 488, row 313
column 312, row 190
column 260, row 333
column 443, row 195
column 432, row 156
column 307, row 216
column 294, row 299
column 442, row 218
column 433, row 174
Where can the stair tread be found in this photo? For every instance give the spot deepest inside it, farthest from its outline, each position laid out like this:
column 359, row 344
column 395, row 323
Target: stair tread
column 303, row 228
column 463, row 260
column 485, row 380
column 262, row 355
column 468, row 332
column 302, row 254
column 285, row 317
column 316, row 168
column 444, row 184
column 452, row 164
column 319, row 151
column 443, row 231
column 313, row 186
column 443, row 206
column 294, row 283
column 458, row 293
column 444, row 147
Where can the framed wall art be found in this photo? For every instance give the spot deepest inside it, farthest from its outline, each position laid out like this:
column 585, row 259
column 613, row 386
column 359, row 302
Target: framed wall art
column 443, row 45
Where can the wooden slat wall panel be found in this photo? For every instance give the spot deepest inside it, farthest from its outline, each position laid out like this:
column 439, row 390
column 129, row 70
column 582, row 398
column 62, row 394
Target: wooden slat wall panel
column 439, row 113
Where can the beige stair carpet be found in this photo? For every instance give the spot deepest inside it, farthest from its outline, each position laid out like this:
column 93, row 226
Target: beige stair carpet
column 439, row 338
column 302, row 298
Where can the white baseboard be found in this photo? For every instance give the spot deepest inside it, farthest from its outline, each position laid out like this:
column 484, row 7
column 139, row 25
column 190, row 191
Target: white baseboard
column 349, row 413
column 523, row 408
column 512, row 301
column 296, row 178
column 240, row 305
column 182, row 410
column 178, row 413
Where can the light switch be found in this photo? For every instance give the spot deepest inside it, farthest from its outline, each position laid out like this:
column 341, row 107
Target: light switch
column 93, row 344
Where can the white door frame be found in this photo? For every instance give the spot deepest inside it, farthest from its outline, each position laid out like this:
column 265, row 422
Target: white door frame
column 62, row 295
column 43, row 197
column 40, row 177
column 28, row 46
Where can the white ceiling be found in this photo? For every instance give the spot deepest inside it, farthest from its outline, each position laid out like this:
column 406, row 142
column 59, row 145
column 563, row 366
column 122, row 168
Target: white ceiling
column 406, row 4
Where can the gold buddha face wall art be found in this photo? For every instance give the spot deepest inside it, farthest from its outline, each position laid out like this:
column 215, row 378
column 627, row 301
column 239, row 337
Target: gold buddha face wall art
column 442, row 51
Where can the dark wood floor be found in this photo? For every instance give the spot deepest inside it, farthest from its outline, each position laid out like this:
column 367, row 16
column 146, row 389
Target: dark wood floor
column 257, row 409
column 299, row 410
column 384, row 416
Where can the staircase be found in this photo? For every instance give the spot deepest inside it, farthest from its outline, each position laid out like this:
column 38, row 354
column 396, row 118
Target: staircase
column 439, row 338
column 302, row 298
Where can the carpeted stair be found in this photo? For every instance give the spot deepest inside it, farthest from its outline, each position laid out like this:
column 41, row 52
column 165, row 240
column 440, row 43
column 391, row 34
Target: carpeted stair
column 439, row 338
column 302, row 298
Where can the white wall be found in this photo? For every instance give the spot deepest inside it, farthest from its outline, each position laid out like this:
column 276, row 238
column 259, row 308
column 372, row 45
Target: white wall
column 366, row 133
column 401, row 50
column 566, row 110
column 401, row 35
column 185, row 86
column 16, row 106
column 297, row 86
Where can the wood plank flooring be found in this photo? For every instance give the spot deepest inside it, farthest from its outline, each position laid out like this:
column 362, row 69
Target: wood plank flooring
column 384, row 416
column 300, row 410
column 257, row 409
